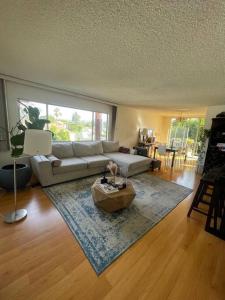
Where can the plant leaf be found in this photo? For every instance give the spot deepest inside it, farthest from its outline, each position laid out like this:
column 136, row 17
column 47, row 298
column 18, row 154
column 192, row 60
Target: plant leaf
column 25, row 110
column 16, row 152
column 17, row 140
column 33, row 113
column 40, row 124
column 28, row 124
column 22, row 127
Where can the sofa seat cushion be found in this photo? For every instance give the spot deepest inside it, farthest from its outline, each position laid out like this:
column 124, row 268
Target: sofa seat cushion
column 128, row 160
column 62, row 150
column 70, row 165
column 95, row 161
column 87, row 148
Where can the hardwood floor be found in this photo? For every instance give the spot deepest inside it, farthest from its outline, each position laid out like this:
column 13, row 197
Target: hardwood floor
column 177, row 259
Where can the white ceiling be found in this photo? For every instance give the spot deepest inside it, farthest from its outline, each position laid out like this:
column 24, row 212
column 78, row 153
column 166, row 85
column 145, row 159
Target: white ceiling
column 166, row 54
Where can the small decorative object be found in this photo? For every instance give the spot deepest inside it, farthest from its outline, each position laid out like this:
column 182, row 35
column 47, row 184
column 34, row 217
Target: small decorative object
column 221, row 146
column 113, row 168
column 145, row 134
column 104, row 179
column 149, row 139
column 139, row 136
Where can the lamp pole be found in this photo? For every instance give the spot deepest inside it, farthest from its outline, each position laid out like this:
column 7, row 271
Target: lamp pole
column 19, row 214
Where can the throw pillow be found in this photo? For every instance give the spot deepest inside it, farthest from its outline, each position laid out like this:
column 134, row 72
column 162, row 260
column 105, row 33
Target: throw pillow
column 124, row 150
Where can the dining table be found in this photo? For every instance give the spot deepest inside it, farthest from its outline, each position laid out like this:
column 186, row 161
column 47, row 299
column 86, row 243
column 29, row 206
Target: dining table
column 169, row 150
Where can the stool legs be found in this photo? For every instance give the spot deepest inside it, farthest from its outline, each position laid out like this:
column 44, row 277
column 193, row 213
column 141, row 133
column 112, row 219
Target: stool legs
column 217, row 212
column 198, row 197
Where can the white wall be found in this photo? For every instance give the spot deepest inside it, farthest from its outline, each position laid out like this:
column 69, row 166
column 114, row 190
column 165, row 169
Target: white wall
column 211, row 112
column 130, row 119
column 17, row 90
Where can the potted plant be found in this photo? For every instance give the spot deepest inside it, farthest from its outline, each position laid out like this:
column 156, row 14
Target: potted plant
column 30, row 120
column 204, row 134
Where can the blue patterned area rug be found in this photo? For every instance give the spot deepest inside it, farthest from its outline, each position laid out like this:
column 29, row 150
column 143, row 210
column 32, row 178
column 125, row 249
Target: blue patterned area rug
column 104, row 236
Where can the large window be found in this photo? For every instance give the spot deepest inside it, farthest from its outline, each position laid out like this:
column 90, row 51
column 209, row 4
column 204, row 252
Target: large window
column 185, row 133
column 70, row 124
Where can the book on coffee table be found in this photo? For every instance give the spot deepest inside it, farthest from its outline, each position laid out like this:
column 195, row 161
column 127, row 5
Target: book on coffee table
column 107, row 188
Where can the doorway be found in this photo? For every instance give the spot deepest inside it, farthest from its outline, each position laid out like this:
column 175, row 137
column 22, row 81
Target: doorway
column 185, row 134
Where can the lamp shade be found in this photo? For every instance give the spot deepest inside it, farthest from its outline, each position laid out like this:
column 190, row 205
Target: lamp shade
column 37, row 142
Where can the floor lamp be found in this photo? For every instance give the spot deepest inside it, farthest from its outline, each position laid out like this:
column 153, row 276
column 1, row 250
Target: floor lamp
column 36, row 142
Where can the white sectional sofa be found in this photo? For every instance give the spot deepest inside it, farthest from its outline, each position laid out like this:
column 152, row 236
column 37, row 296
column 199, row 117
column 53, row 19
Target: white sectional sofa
column 72, row 160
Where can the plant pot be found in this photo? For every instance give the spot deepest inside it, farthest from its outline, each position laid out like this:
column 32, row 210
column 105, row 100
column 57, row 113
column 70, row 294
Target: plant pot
column 23, row 175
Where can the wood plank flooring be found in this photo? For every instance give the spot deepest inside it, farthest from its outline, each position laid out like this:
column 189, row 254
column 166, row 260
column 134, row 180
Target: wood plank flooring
column 176, row 260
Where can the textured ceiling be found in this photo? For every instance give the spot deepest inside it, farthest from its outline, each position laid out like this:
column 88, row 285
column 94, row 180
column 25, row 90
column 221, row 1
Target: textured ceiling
column 150, row 53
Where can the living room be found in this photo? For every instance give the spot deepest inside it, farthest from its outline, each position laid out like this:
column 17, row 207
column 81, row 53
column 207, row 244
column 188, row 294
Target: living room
column 112, row 150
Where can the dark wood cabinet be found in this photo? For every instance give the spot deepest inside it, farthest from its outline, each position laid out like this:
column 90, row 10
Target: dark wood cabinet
column 214, row 156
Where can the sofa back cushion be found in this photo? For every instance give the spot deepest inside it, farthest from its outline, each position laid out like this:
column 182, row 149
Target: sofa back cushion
column 62, row 150
column 110, row 146
column 87, row 148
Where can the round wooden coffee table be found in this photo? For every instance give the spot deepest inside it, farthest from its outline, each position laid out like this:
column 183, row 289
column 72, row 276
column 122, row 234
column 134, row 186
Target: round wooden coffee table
column 113, row 201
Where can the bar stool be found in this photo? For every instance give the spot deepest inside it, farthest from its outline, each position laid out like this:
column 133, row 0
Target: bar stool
column 215, row 222
column 206, row 187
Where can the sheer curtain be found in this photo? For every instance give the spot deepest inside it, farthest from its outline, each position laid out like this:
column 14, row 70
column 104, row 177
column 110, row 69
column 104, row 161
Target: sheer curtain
column 4, row 136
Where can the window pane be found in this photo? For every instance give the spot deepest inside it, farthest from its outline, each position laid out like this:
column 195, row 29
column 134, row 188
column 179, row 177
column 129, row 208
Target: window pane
column 70, row 124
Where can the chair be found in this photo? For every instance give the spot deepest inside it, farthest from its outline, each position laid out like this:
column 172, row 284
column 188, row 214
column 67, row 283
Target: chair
column 180, row 156
column 162, row 153
column 205, row 188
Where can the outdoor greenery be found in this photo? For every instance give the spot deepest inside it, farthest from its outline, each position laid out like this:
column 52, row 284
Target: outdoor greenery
column 188, row 133
column 65, row 130
column 75, row 129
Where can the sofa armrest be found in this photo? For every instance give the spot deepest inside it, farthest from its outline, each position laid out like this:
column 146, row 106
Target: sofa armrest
column 55, row 162
column 42, row 168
